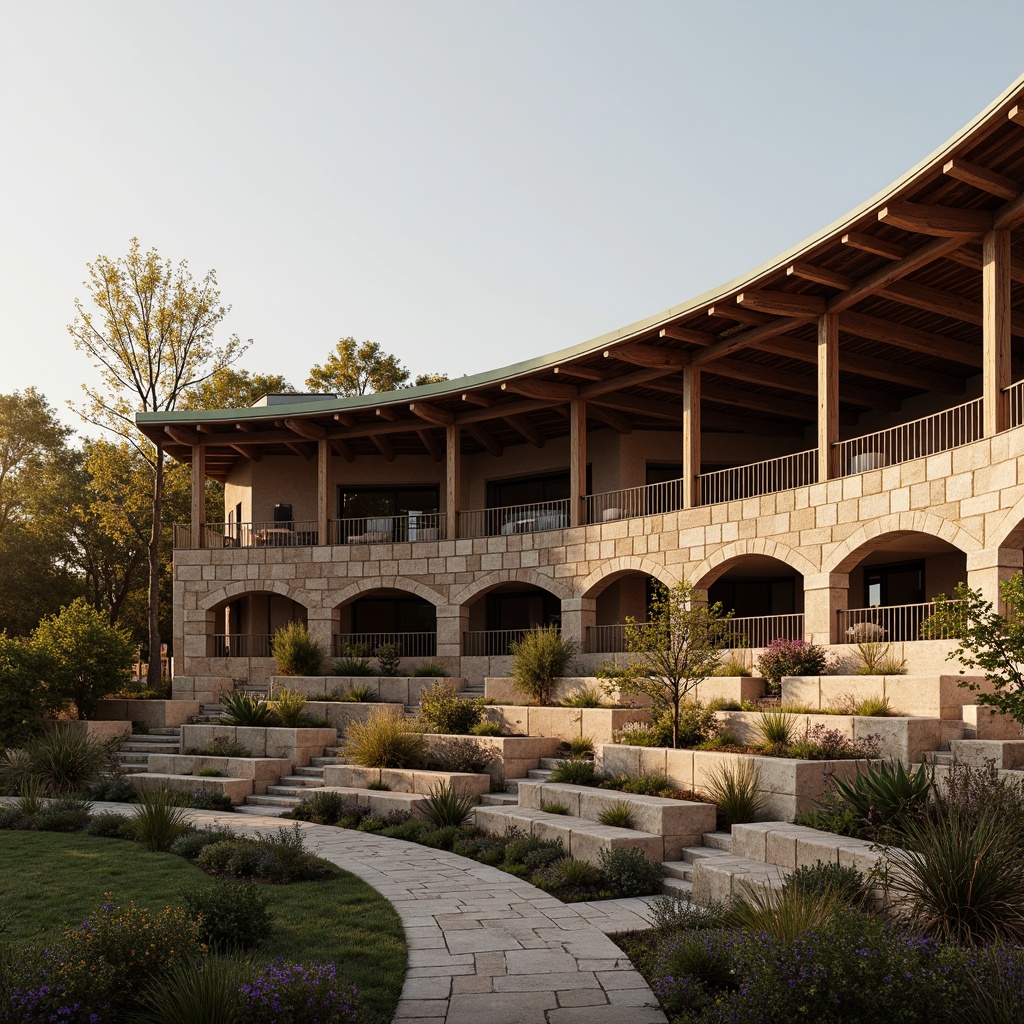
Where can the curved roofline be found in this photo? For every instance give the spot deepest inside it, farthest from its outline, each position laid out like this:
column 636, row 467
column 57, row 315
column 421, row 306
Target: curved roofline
column 332, row 403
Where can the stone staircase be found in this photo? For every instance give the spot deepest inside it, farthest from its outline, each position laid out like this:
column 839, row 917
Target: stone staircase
column 133, row 753
column 292, row 789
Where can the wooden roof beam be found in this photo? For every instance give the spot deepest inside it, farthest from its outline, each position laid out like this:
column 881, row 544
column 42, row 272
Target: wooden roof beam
column 970, row 257
column 581, row 372
column 819, row 275
column 496, row 412
column 648, row 355
column 343, row 450
column 383, row 445
column 306, row 429
column 782, row 303
column 345, row 419
column 432, row 414
column 911, row 338
column 873, row 283
column 793, row 408
column 876, row 246
column 746, row 338
column 183, row 435
column 739, row 422
column 386, row 412
column 741, row 314
column 636, row 379
column 942, row 221
column 434, row 450
column 542, row 389
column 642, row 407
column 692, row 337
column 300, row 449
column 526, row 430
column 982, row 178
column 1016, row 114
column 482, row 437
column 615, row 420
column 253, row 456
column 475, row 398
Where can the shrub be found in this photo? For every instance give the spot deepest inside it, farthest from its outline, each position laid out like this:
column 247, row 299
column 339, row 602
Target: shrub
column 389, row 657
column 268, row 859
column 290, row 708
column 960, row 878
column 567, row 877
column 442, row 838
column 885, row 792
column 87, row 657
column 63, row 760
column 821, row 744
column 361, row 693
column 539, row 659
column 351, row 665
column 381, row 786
column 874, row 707
column 445, row 807
column 296, row 651
column 629, row 873
column 697, row 723
column 12, row 816
column 111, row 825
column 292, row 994
column 643, row 784
column 65, row 814
column 695, row 970
column 206, row 993
column 791, row 658
column 221, row 747
column 736, row 791
column 159, row 819
column 583, row 697
column 841, row 882
column 458, row 754
column 321, row 808
column 554, row 807
column 210, row 773
column 234, row 915
column 638, row 734
column 24, row 696
column 442, row 710
column 581, row 747
column 248, row 709
column 734, row 665
column 208, row 800
column 619, row 815
column 486, row 728
column 191, row 843
column 386, row 740
column 430, row 669
column 576, row 773
column 680, row 913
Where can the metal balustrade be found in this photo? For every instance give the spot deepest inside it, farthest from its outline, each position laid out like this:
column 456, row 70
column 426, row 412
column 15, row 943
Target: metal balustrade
column 416, row 526
column 512, row 519
column 239, row 645
column 490, row 642
column 884, row 623
column 766, row 477
column 295, row 533
column 609, row 639
column 950, row 428
column 631, row 502
column 760, row 630
column 1015, row 401
column 363, row 645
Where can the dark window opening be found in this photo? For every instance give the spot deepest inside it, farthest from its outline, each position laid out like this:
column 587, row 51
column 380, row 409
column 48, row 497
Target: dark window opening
column 393, row 615
column 750, row 598
column 522, row 609
column 354, row 502
column 531, row 490
column 899, row 583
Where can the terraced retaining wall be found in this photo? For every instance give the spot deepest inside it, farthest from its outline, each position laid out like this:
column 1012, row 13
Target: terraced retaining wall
column 297, row 745
column 389, row 689
column 157, row 714
column 600, row 724
column 931, row 696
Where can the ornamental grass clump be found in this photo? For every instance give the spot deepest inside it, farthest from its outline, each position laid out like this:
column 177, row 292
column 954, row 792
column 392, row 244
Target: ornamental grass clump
column 540, row 658
column 885, row 793
column 445, row 807
column 736, row 790
column 289, row 706
column 619, row 815
column 583, row 697
column 248, row 709
column 205, row 993
column 443, row 710
column 776, row 730
column 387, row 739
column 63, row 759
column 296, row 651
column 160, row 819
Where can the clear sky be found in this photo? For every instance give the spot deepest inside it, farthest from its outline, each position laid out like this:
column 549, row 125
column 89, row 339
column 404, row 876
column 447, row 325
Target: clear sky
column 467, row 182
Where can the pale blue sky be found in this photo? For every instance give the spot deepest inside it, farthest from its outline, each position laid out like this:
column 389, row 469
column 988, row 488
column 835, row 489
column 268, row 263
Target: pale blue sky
column 467, row 183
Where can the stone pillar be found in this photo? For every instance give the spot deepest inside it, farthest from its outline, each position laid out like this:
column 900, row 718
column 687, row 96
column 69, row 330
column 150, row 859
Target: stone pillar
column 452, row 622
column 987, row 569
column 320, row 623
column 577, row 614
column 824, row 594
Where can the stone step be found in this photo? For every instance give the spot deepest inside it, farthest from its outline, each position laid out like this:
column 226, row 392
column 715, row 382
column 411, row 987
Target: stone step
column 302, row 781
column 286, row 803
column 499, row 800
column 319, row 762
column 539, row 774
column 690, row 855
column 311, row 771
column 547, row 763
column 718, row 840
column 677, row 887
column 133, row 760
column 580, row 837
column 267, row 811
column 298, row 792
column 943, row 757
column 135, row 747
column 166, row 730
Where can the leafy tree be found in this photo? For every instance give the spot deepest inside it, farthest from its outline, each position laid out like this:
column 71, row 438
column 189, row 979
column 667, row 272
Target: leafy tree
column 151, row 338
column 355, row 369
column 430, row 378
column 24, row 696
column 986, row 640
column 681, row 643
column 88, row 658
column 229, row 388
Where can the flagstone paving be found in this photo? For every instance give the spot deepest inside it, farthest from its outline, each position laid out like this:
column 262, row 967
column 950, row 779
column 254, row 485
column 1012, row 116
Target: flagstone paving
column 484, row 946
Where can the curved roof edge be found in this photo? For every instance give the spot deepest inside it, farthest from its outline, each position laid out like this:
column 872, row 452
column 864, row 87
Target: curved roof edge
column 332, row 403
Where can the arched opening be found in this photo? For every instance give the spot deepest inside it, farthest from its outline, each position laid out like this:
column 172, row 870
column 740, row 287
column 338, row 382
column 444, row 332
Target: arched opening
column 244, row 626
column 504, row 614
column 766, row 597
column 892, row 584
column 617, row 598
column 386, row 616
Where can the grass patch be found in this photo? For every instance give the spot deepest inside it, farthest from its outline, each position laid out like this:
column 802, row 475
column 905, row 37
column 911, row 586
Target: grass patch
column 51, row 880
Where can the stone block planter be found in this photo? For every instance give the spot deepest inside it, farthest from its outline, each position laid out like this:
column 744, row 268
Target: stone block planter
column 296, row 745
column 1005, row 754
column 405, row 780
column 984, row 723
column 600, row 724
column 389, row 689
column 261, row 771
column 907, row 739
column 789, row 786
column 502, row 690
column 93, row 728
column 157, row 714
column 516, row 755
column 341, row 713
column 731, row 688
column 235, row 789
column 933, row 696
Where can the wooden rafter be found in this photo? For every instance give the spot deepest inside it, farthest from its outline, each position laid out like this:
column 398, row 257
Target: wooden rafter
column 183, row 435
column 482, row 437
column 526, row 430
column 306, row 429
column 982, row 178
column 344, row 451
column 688, row 335
column 636, row 379
column 474, row 398
column 252, row 456
column 345, row 419
column 649, row 356
column 432, row 414
column 1016, row 114
column 792, row 408
column 876, row 246
column 641, row 406
column 730, row 311
column 383, row 445
column 615, row 420
column 434, row 450
column 970, row 257
column 581, row 372
column 745, row 339
column 943, row 221
column 819, row 275
column 305, row 450
column 542, row 389
column 386, row 412
column 782, row 303
column 911, row 338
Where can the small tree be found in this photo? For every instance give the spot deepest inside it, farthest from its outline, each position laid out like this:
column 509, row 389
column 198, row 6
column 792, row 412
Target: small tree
column 986, row 640
column 539, row 659
column 88, row 658
column 681, row 643
column 24, row 697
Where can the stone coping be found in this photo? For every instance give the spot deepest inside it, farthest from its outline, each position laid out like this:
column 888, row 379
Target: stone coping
column 406, row 780
column 927, row 696
column 599, row 724
column 95, row 730
column 298, row 745
column 157, row 714
column 484, row 947
column 390, row 689
column 515, row 755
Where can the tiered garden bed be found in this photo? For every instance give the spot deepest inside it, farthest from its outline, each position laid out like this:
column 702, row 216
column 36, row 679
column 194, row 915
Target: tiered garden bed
column 296, row 745
column 404, row 690
column 599, row 724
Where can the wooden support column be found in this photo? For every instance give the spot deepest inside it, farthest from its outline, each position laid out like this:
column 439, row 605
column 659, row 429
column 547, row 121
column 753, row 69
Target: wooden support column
column 198, row 496
column 691, row 436
column 453, row 480
column 577, row 462
column 828, row 395
column 323, row 497
column 995, row 276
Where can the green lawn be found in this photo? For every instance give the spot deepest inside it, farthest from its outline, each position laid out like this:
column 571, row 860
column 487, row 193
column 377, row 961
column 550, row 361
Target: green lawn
column 50, row 880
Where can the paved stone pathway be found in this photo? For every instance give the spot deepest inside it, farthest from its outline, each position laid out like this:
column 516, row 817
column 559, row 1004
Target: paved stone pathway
column 484, row 946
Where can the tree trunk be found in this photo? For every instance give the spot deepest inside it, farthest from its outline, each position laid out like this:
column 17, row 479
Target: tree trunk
column 153, row 675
